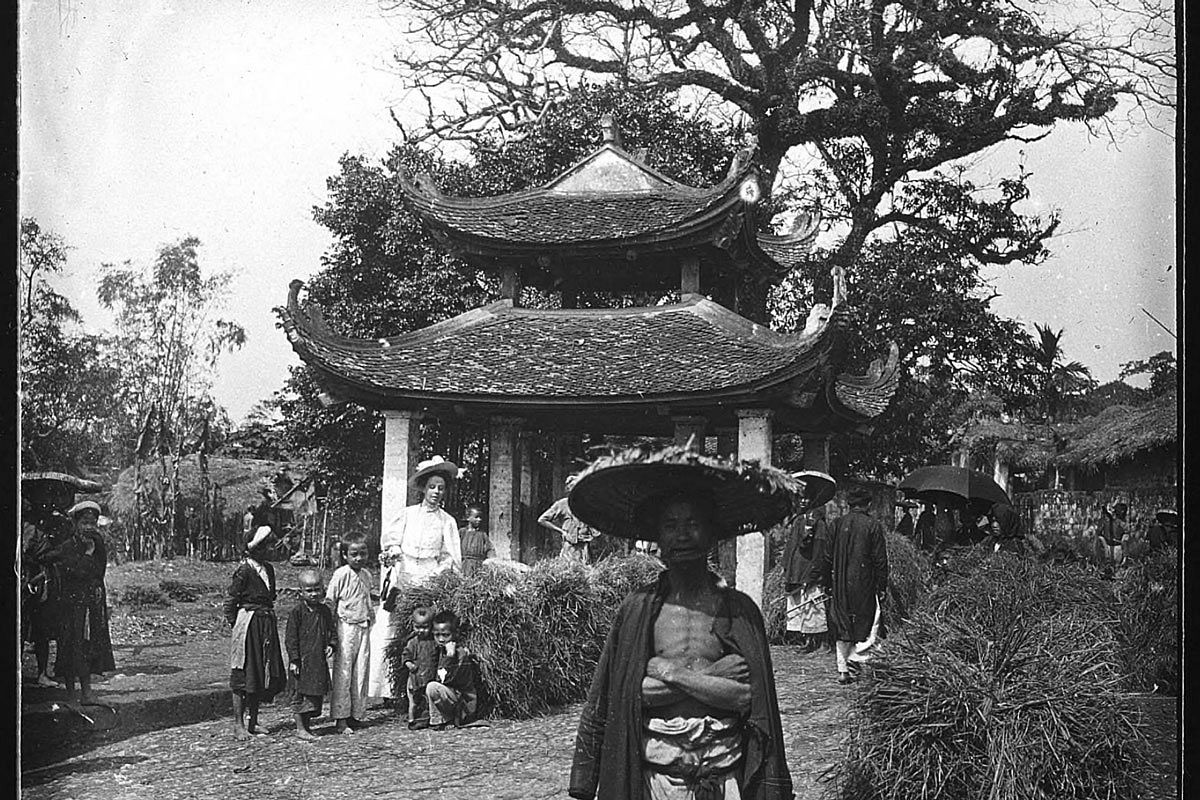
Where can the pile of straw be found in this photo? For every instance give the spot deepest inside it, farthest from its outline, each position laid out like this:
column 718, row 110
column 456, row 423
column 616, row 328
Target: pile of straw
column 1147, row 594
column 1005, row 683
column 538, row 634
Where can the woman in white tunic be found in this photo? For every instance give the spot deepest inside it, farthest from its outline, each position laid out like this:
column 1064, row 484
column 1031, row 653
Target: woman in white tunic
column 422, row 541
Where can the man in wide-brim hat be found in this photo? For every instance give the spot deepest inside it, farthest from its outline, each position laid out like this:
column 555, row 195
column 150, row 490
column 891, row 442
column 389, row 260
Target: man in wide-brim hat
column 683, row 699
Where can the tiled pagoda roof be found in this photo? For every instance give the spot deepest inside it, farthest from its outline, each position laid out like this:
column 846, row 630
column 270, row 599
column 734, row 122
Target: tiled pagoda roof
column 610, row 203
column 696, row 350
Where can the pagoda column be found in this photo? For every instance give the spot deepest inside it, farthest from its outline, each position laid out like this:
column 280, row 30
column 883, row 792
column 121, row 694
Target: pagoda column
column 754, row 444
column 401, row 441
column 727, row 441
column 504, row 504
column 816, row 452
column 690, row 430
column 524, row 491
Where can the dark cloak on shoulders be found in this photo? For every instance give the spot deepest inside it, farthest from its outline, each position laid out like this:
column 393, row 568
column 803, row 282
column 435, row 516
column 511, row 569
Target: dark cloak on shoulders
column 608, row 746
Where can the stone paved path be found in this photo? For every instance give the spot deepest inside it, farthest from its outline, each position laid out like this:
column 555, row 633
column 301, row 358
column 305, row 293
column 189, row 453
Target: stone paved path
column 500, row 759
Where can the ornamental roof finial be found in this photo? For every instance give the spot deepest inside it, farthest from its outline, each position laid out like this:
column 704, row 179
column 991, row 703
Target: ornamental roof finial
column 608, row 130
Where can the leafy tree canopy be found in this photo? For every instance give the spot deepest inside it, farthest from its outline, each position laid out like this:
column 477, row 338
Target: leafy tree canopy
column 1164, row 375
column 876, row 93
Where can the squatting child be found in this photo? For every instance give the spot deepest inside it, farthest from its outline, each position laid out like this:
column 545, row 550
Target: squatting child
column 256, row 672
column 349, row 594
column 420, row 657
column 310, row 639
column 451, row 695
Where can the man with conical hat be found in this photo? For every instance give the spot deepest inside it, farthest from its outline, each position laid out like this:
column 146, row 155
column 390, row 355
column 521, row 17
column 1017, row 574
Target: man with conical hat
column 682, row 704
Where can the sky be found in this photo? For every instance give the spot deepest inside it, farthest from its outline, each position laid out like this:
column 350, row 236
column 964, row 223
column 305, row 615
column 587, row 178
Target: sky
column 144, row 121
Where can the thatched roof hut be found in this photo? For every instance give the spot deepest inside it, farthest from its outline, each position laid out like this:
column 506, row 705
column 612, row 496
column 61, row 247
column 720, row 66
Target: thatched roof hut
column 240, row 482
column 1022, row 445
column 1120, row 433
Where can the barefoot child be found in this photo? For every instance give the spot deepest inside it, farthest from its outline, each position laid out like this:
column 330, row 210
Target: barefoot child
column 311, row 638
column 349, row 593
column 420, row 658
column 256, row 672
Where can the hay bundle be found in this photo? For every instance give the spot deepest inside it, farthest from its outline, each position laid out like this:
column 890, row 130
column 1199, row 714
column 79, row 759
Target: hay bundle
column 563, row 596
column 774, row 605
column 996, row 589
column 954, row 711
column 908, row 576
column 1147, row 594
column 537, row 634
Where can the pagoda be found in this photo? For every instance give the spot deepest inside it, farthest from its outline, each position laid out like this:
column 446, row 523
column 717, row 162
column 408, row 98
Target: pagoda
column 691, row 370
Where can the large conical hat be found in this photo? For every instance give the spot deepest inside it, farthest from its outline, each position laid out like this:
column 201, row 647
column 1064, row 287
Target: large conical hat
column 611, row 495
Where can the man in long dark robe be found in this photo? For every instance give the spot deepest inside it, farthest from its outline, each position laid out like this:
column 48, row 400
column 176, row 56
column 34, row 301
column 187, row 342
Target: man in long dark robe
column 856, row 570
column 925, row 533
column 683, row 699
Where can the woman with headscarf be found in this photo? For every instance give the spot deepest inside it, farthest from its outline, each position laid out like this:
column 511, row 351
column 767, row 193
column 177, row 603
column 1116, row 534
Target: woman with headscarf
column 256, row 671
column 84, row 645
column 419, row 543
column 1010, row 530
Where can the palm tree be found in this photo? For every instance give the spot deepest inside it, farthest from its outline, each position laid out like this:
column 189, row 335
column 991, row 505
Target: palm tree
column 1056, row 382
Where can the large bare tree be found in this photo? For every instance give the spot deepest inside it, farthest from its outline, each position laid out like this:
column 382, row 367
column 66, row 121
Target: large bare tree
column 876, row 92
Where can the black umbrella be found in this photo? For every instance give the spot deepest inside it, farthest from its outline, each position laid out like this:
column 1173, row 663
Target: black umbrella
column 953, row 486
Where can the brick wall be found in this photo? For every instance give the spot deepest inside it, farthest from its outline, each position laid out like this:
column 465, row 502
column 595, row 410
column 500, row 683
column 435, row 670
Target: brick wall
column 1077, row 513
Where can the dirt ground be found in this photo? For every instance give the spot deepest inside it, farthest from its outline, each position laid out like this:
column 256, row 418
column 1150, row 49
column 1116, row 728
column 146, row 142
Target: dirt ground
column 492, row 759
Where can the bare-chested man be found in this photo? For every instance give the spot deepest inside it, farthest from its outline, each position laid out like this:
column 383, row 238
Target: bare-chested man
column 683, row 702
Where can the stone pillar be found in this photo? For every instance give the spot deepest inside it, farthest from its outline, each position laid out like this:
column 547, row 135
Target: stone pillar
column 503, row 500
column 816, row 452
column 727, row 550
column 689, row 275
column 401, row 440
column 690, row 429
column 525, row 546
column 754, row 444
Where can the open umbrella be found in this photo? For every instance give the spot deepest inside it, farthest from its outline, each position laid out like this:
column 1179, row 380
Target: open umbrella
column 953, row 486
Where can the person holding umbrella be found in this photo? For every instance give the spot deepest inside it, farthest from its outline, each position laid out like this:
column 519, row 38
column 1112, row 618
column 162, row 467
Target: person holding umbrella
column 856, row 569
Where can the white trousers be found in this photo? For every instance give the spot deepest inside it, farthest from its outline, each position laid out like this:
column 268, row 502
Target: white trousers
column 385, row 631
column 351, row 665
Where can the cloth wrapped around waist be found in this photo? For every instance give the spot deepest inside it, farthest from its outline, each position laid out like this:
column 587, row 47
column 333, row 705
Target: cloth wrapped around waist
column 692, row 757
column 241, row 626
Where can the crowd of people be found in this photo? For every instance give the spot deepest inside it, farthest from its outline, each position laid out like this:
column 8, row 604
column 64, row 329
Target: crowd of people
column 64, row 560
column 339, row 639
column 682, row 702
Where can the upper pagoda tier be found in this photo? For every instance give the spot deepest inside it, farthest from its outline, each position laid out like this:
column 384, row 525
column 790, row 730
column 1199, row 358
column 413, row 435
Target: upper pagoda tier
column 611, row 222
column 620, row 370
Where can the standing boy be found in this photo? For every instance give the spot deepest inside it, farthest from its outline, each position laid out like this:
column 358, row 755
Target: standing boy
column 349, row 593
column 310, row 640
column 420, row 659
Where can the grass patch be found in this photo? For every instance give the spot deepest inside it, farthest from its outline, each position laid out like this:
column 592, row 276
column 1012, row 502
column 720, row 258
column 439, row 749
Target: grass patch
column 139, row 596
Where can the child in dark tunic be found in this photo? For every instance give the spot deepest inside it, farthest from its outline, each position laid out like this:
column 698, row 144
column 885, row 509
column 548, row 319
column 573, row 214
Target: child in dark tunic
column 256, row 672
column 420, row 656
column 310, row 640
column 476, row 545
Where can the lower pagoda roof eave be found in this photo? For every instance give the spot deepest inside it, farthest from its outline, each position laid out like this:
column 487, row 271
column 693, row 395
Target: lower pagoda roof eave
column 750, row 396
